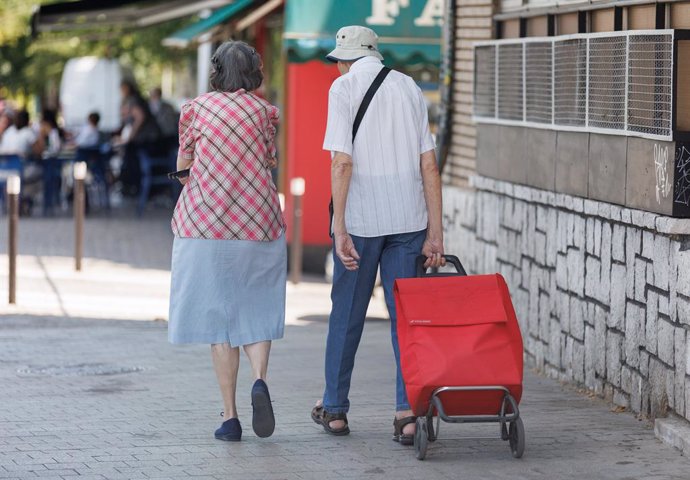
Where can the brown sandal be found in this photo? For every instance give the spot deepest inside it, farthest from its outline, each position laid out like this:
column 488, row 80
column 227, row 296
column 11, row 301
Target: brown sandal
column 398, row 426
column 323, row 418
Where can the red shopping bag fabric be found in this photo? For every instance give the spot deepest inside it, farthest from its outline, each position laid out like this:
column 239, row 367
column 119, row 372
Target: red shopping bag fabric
column 458, row 331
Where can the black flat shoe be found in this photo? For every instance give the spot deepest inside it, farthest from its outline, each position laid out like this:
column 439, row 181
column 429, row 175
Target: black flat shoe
column 263, row 420
column 230, row 431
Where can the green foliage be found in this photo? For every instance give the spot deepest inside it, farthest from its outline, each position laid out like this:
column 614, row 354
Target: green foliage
column 14, row 19
column 28, row 65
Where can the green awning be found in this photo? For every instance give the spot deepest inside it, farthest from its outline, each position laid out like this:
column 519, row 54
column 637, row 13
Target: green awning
column 408, row 35
column 182, row 38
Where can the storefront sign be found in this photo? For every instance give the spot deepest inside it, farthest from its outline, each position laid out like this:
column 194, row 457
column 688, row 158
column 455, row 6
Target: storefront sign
column 385, row 12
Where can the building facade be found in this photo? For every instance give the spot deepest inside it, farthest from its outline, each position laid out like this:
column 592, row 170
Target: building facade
column 568, row 173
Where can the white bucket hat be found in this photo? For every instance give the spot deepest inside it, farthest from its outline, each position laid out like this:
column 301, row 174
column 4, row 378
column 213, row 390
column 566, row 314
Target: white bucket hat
column 354, row 42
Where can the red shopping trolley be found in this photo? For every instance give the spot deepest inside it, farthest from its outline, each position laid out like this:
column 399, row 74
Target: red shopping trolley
column 460, row 352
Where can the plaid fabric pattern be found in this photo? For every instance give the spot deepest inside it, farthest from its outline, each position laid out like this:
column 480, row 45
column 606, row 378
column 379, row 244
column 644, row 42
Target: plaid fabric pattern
column 229, row 138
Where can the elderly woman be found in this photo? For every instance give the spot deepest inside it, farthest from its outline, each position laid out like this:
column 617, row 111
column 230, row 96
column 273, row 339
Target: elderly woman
column 229, row 254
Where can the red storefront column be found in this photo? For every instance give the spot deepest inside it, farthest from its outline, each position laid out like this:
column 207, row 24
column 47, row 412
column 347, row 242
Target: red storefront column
column 307, row 99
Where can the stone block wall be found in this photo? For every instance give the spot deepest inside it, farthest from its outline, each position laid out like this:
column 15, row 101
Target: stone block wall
column 634, row 172
column 602, row 292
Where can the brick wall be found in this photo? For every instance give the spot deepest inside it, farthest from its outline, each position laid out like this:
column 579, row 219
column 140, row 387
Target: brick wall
column 474, row 23
column 602, row 292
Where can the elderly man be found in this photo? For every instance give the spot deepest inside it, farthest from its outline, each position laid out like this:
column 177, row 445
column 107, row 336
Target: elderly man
column 386, row 208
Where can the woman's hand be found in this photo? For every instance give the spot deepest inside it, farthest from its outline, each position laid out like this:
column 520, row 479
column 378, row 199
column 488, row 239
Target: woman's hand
column 272, row 163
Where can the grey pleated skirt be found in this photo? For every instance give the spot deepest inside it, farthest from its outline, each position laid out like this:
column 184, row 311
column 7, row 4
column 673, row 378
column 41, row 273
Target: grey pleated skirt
column 227, row 291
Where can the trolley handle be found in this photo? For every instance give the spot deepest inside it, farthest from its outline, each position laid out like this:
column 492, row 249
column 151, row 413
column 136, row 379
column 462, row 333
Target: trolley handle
column 421, row 271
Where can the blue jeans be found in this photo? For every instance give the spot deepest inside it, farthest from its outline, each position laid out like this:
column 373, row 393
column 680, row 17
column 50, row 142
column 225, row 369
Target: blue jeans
column 350, row 295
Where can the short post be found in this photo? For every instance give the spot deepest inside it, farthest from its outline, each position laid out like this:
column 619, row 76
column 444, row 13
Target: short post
column 79, row 211
column 297, row 191
column 13, row 190
column 281, row 200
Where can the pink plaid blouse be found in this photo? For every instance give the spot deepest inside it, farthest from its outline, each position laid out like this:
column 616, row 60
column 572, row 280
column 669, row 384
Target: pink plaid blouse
column 229, row 138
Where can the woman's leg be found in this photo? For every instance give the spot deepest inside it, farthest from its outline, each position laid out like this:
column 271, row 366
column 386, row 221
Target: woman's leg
column 226, row 362
column 263, row 420
column 258, row 358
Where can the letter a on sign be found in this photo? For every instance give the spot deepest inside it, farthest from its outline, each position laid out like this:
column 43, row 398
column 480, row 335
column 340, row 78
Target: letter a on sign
column 432, row 14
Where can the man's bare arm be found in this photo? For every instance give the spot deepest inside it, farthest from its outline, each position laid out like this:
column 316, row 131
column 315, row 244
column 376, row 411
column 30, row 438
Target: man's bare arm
column 431, row 179
column 341, row 173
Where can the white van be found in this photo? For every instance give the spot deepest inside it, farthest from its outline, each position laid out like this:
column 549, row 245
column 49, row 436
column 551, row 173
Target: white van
column 91, row 84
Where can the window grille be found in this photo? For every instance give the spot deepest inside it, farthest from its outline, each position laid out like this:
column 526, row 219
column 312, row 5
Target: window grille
column 510, row 94
column 650, row 74
column 615, row 82
column 570, row 82
column 538, row 82
column 606, row 95
column 485, row 81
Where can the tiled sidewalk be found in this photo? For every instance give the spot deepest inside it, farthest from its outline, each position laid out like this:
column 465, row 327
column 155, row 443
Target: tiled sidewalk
column 158, row 422
column 84, row 394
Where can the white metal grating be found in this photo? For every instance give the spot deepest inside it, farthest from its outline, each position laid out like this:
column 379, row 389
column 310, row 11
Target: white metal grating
column 570, row 82
column 617, row 82
column 485, row 81
column 650, row 79
column 606, row 92
column 510, row 94
column 538, row 82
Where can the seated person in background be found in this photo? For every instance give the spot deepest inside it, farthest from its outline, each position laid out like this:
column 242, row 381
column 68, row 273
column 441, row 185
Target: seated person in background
column 19, row 139
column 140, row 132
column 166, row 116
column 50, row 136
column 89, row 136
column 48, row 146
column 5, row 123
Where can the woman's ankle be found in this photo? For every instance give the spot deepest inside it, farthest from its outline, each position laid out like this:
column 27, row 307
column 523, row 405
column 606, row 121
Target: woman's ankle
column 228, row 414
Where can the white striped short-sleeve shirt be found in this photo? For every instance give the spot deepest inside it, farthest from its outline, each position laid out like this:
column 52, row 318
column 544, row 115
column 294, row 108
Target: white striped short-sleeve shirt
column 386, row 194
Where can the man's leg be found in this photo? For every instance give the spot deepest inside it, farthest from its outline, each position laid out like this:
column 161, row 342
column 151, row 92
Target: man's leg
column 398, row 261
column 350, row 295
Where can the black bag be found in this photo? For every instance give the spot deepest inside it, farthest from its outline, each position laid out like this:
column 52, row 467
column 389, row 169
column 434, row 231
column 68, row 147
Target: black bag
column 355, row 126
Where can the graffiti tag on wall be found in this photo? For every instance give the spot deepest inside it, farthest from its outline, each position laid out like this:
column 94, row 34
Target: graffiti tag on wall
column 663, row 173
column 682, row 186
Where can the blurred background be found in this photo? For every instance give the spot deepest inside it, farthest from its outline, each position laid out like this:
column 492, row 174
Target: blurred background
column 103, row 80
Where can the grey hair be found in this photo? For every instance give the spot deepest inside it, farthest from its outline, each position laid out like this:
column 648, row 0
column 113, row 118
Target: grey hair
column 236, row 65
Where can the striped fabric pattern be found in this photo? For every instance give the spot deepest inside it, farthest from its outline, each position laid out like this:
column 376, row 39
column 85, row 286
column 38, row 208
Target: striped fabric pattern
column 386, row 194
column 230, row 139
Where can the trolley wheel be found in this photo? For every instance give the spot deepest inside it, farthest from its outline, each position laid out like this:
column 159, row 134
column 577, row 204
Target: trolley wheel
column 421, row 438
column 504, row 431
column 516, row 437
column 430, row 428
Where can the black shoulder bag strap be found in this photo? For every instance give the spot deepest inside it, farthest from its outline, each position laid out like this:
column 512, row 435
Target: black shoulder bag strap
column 355, row 126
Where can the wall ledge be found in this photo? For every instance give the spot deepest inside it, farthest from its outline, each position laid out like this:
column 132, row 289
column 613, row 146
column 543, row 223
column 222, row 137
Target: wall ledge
column 647, row 220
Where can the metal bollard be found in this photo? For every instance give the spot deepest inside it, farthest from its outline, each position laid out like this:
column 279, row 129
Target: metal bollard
column 297, row 191
column 281, row 199
column 13, row 190
column 79, row 211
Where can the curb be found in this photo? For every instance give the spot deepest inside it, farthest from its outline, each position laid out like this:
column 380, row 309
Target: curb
column 673, row 431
